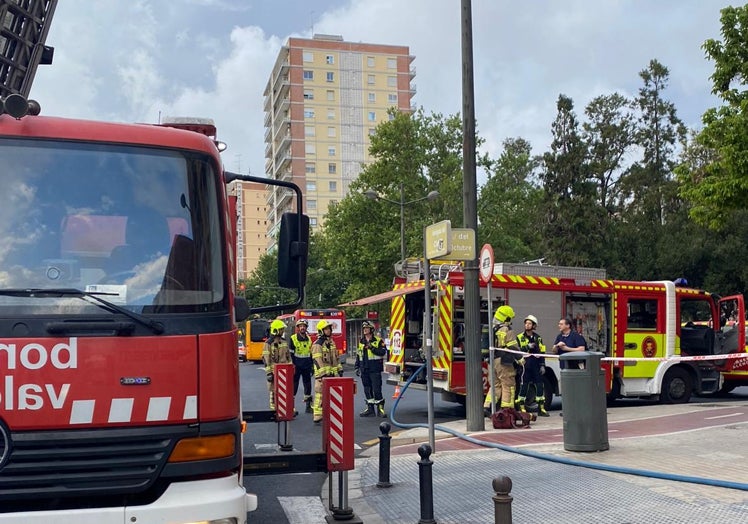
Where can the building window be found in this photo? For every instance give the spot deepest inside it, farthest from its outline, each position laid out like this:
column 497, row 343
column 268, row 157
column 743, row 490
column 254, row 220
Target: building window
column 330, row 94
column 310, row 149
column 390, row 117
column 392, row 81
column 309, row 131
column 370, row 61
column 332, row 168
column 372, row 131
column 372, row 116
column 331, row 151
column 311, row 204
column 372, row 97
column 371, row 79
column 311, row 186
column 312, row 221
column 333, row 186
column 331, row 114
column 308, row 113
column 308, row 56
column 310, row 167
column 330, row 59
column 392, row 63
column 392, row 98
column 331, row 131
column 330, row 76
column 308, row 75
column 308, row 94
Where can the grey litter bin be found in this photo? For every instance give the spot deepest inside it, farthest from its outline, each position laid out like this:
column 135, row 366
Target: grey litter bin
column 584, row 404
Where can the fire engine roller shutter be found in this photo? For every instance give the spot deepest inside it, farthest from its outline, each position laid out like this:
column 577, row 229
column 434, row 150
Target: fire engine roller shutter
column 381, row 297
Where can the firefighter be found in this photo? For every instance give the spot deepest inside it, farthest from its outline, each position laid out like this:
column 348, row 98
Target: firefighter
column 505, row 373
column 300, row 347
column 275, row 351
column 369, row 366
column 533, row 367
column 326, row 363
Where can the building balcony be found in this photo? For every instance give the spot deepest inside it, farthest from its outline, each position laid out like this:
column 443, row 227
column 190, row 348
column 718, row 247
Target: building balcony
column 412, row 73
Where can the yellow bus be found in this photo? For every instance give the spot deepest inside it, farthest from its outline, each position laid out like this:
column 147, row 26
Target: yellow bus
column 256, row 332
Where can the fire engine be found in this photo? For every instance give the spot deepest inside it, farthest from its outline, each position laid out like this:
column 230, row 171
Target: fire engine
column 335, row 317
column 119, row 397
column 659, row 340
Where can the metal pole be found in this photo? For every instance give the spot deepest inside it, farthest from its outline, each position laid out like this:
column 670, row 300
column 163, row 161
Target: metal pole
column 384, row 455
column 427, row 339
column 426, row 485
column 402, row 223
column 490, row 352
column 473, row 357
column 502, row 501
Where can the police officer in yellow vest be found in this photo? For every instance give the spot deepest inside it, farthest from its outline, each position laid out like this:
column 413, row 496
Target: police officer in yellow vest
column 275, row 351
column 300, row 346
column 326, row 364
column 533, row 367
column 505, row 374
column 369, row 366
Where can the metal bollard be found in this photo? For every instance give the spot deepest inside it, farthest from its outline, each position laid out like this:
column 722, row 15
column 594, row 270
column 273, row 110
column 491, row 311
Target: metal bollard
column 384, row 455
column 502, row 501
column 425, row 482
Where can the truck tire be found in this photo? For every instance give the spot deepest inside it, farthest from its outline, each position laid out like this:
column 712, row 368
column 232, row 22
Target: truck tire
column 677, row 386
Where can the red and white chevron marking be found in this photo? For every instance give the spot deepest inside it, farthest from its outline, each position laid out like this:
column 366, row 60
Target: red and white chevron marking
column 336, row 436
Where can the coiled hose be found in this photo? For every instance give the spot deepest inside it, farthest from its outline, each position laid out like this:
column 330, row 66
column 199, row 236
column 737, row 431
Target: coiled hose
column 562, row 460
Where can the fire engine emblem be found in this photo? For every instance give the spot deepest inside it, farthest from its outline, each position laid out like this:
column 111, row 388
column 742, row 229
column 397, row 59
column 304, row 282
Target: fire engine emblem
column 649, row 347
column 5, row 444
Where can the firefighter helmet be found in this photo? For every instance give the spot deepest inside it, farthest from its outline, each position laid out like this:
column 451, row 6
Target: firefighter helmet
column 533, row 319
column 504, row 313
column 276, row 327
column 302, row 322
column 322, row 324
column 367, row 324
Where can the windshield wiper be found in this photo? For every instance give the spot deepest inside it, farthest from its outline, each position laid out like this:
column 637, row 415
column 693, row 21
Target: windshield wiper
column 154, row 326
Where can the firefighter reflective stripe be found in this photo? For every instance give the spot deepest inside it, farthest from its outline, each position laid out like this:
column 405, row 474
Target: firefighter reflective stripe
column 121, row 410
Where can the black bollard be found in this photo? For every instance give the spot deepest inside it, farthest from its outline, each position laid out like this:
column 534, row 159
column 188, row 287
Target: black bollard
column 384, row 455
column 425, row 481
column 502, row 501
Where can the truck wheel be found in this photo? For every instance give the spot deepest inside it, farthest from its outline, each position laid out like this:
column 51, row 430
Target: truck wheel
column 676, row 386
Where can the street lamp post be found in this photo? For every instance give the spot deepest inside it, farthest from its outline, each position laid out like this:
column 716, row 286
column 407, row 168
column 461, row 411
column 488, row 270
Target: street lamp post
column 373, row 195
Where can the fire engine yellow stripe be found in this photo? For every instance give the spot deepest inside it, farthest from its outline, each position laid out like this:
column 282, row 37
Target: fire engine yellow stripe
column 444, row 343
column 397, row 322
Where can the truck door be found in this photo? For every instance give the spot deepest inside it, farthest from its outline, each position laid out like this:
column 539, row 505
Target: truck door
column 643, row 333
column 732, row 329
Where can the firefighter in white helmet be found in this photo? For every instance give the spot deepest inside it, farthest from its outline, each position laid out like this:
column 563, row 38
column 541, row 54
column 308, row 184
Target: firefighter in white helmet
column 532, row 368
column 505, row 374
column 275, row 351
column 326, row 364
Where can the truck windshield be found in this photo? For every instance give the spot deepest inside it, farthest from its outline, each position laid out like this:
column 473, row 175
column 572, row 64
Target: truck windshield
column 138, row 225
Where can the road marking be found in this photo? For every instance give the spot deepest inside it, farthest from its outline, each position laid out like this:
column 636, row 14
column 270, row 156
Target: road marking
column 725, row 416
column 303, row 510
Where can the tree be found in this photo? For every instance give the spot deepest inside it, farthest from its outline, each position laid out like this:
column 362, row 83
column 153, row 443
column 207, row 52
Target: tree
column 718, row 188
column 509, row 204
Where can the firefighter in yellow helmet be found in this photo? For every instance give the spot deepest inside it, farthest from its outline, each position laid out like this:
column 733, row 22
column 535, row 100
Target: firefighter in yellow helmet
column 505, row 374
column 534, row 366
column 300, row 346
column 275, row 351
column 326, row 363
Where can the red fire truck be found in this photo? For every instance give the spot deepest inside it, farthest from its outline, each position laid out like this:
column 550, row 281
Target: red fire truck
column 659, row 339
column 119, row 399
column 336, row 317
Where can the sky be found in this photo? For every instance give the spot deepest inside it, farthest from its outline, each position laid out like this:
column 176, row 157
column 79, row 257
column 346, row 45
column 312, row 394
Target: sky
column 141, row 60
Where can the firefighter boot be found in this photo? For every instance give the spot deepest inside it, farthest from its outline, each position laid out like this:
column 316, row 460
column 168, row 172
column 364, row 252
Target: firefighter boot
column 308, row 402
column 521, row 404
column 380, row 409
column 369, row 411
column 541, row 408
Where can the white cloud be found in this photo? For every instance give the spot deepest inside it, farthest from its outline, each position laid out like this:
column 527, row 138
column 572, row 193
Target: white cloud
column 131, row 61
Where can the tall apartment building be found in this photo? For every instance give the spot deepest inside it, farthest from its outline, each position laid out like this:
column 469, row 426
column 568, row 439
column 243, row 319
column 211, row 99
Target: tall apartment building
column 251, row 227
column 323, row 101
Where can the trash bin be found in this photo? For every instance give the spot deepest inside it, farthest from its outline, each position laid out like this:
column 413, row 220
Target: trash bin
column 584, row 404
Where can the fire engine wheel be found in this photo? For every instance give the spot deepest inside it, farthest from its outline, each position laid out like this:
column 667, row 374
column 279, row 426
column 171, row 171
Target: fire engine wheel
column 676, row 386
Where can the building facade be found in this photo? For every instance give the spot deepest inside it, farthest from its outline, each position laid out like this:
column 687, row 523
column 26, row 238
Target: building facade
column 323, row 100
column 251, row 226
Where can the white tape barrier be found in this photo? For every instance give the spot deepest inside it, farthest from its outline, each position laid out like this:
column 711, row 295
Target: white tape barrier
column 633, row 359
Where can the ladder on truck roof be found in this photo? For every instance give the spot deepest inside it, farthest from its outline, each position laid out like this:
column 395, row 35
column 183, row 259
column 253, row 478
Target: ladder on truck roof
column 24, row 25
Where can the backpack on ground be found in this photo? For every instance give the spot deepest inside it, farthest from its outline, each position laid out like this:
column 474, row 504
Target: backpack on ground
column 510, row 418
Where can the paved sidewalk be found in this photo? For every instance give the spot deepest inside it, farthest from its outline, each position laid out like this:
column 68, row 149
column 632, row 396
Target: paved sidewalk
column 704, row 443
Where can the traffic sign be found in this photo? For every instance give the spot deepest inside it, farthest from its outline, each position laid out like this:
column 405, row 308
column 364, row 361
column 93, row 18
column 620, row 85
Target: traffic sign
column 486, row 263
column 439, row 239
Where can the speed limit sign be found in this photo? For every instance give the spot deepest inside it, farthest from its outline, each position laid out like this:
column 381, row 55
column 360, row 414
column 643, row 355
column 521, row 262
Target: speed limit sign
column 486, row 263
